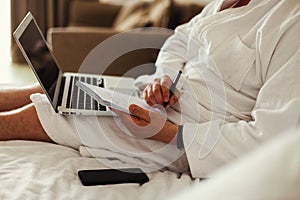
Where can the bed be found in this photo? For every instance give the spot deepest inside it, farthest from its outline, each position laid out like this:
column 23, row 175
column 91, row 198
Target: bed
column 38, row 170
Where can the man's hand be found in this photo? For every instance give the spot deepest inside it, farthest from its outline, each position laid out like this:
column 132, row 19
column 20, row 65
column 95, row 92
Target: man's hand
column 147, row 124
column 158, row 92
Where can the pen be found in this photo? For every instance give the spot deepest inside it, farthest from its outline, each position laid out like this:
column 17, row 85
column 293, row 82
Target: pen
column 173, row 86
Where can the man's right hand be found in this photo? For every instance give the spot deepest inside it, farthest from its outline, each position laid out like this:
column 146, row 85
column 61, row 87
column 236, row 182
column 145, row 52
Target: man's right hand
column 158, row 92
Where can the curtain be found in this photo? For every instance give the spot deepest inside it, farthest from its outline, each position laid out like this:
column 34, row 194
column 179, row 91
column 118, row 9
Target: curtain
column 42, row 10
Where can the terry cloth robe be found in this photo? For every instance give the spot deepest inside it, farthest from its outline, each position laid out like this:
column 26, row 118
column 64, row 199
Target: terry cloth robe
column 239, row 88
column 240, row 80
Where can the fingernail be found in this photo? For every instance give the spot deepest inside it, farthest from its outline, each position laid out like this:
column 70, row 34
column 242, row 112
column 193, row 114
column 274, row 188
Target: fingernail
column 132, row 108
column 166, row 98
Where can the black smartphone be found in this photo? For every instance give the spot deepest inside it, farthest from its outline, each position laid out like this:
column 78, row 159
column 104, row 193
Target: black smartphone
column 112, row 176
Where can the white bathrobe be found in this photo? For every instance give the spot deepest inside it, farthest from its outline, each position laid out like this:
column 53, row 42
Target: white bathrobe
column 239, row 88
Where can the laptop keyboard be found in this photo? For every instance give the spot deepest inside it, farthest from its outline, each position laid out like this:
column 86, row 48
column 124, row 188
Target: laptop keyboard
column 78, row 99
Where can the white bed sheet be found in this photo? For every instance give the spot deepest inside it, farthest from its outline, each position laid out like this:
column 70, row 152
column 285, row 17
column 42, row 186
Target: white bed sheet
column 37, row 170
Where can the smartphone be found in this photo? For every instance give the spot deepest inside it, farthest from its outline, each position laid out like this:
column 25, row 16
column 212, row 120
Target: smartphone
column 112, row 176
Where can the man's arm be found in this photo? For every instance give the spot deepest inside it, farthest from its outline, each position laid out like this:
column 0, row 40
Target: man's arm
column 212, row 144
column 173, row 54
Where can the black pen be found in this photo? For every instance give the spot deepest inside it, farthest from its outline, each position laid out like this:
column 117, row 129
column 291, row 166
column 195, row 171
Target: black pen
column 173, row 87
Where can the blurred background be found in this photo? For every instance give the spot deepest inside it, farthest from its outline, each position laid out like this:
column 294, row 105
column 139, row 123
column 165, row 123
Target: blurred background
column 74, row 27
column 10, row 73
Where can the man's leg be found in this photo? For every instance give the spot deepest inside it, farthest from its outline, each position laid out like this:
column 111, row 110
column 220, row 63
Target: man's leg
column 15, row 97
column 22, row 124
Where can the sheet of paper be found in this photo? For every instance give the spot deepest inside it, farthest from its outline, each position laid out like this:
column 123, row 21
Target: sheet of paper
column 121, row 102
column 112, row 98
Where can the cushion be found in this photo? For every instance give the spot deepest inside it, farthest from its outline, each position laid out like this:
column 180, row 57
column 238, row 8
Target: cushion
column 143, row 14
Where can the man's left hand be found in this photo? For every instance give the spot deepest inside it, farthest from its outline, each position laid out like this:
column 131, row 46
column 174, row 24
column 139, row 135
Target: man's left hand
column 148, row 124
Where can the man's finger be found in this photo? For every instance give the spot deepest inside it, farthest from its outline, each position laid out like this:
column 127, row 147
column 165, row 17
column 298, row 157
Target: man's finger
column 165, row 93
column 140, row 112
column 157, row 93
column 139, row 121
column 174, row 98
column 166, row 83
column 151, row 98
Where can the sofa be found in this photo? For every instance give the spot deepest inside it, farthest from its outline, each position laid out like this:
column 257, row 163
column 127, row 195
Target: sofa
column 89, row 23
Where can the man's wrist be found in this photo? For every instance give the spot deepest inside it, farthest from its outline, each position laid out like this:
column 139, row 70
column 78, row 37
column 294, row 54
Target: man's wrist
column 168, row 133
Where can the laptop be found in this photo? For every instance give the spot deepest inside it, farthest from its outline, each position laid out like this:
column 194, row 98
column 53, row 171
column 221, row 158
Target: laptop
column 60, row 88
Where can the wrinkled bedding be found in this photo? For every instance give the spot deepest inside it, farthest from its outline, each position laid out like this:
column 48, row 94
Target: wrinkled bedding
column 37, row 170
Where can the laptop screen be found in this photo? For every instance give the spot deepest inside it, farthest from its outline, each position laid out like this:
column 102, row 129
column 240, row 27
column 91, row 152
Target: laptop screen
column 40, row 58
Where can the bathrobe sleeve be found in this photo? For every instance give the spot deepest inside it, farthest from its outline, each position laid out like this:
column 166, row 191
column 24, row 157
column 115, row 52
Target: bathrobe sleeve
column 277, row 106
